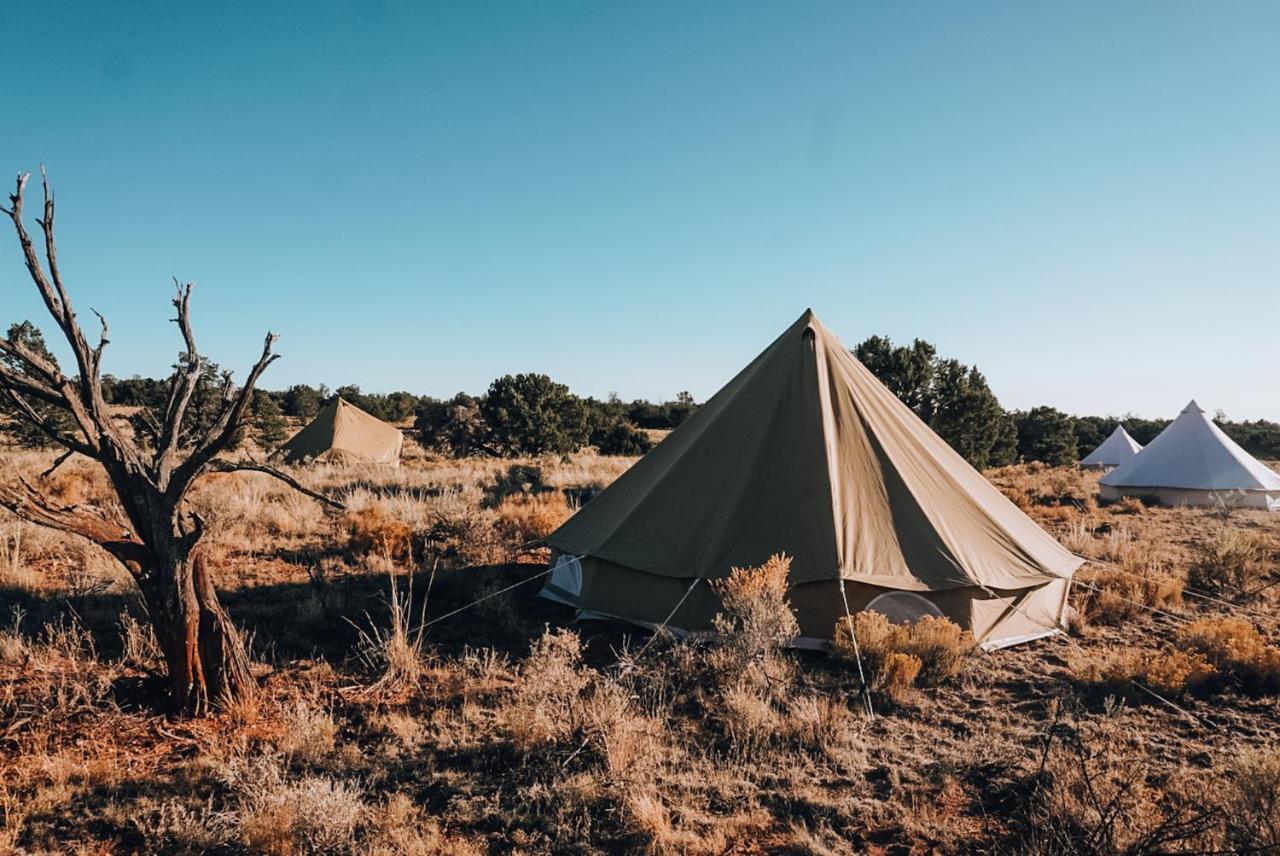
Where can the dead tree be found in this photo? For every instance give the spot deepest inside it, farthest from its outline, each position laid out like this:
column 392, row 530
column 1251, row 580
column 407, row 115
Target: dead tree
column 158, row 539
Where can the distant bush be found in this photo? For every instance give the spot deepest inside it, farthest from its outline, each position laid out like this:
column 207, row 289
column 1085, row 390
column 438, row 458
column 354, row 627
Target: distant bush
column 664, row 415
column 530, row 414
column 623, row 438
column 1233, row 562
column 268, row 421
column 17, row 426
column 952, row 398
column 1047, row 435
column 455, row 427
column 389, row 407
column 302, row 401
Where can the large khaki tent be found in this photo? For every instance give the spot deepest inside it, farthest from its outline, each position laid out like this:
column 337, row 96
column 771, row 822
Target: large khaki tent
column 1192, row 462
column 806, row 452
column 343, row 433
column 1113, row 451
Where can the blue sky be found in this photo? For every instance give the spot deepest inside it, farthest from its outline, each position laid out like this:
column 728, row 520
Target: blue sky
column 1083, row 199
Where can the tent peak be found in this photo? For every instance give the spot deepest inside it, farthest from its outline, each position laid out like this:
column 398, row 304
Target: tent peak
column 1193, row 408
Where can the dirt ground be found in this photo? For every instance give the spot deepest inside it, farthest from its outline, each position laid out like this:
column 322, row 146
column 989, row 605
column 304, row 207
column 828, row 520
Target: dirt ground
column 510, row 728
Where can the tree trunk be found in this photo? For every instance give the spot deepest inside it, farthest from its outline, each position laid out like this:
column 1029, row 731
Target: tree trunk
column 205, row 655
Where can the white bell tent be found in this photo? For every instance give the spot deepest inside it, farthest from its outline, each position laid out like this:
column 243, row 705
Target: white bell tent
column 1114, row 451
column 1192, row 462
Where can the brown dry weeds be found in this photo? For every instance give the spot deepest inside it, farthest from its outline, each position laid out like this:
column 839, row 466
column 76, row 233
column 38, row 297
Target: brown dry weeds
column 511, row 730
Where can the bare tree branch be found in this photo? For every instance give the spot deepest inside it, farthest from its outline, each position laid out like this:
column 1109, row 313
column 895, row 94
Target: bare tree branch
column 104, row 339
column 46, row 425
column 255, row 467
column 31, row 362
column 30, row 386
column 62, row 459
column 183, row 387
column 118, row 540
column 224, row 428
column 160, row 544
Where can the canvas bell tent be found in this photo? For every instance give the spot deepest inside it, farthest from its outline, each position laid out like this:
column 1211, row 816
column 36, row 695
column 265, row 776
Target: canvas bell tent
column 1192, row 462
column 806, row 452
column 1114, row 451
column 343, row 433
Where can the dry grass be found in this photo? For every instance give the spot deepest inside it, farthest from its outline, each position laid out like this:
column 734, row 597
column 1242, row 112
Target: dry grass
column 500, row 731
column 1111, row 595
column 394, row 652
column 1237, row 649
column 526, row 519
column 930, row 651
column 372, row 531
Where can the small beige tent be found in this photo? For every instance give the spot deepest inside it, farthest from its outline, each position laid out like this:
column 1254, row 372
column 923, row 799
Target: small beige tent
column 343, row 433
column 806, row 452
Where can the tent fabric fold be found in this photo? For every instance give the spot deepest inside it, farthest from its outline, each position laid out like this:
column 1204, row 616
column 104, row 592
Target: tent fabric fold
column 343, row 433
column 806, row 452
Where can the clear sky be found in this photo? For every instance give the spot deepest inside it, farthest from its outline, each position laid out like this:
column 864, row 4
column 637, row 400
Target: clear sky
column 1081, row 198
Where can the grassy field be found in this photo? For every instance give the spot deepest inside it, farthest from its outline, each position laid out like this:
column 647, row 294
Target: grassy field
column 506, row 728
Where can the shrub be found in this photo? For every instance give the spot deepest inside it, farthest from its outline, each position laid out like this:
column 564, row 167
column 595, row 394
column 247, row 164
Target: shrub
column 936, row 649
column 896, row 676
column 276, row 814
column 530, row 414
column 465, row 534
column 1232, row 562
column 526, row 518
column 1236, row 648
column 1251, row 804
column 548, row 696
column 310, row 734
column 371, row 530
column 1112, row 596
column 623, row 438
column 1176, row 672
column 1170, row 672
column 756, row 616
column 941, row 646
column 1128, row 505
column 1206, row 653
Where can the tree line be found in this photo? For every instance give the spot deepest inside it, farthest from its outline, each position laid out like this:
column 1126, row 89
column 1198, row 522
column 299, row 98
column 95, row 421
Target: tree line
column 956, row 402
column 531, row 414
